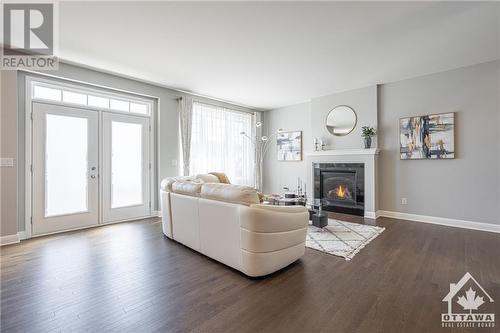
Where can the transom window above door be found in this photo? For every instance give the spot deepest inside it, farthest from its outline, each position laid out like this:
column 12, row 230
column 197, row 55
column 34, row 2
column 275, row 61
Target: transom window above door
column 63, row 94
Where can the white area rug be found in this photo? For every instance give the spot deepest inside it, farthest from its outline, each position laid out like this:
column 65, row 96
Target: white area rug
column 339, row 238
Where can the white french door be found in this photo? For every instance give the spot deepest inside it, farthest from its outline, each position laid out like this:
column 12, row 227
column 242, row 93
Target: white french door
column 89, row 167
column 65, row 168
column 125, row 168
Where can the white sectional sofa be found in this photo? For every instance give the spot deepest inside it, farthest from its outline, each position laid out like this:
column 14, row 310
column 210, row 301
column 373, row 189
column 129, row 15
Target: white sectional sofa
column 227, row 223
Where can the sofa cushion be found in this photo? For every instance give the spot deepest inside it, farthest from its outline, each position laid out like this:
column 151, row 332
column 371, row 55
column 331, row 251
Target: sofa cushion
column 271, row 241
column 267, row 218
column 166, row 184
column 208, row 178
column 222, row 177
column 243, row 195
column 190, row 187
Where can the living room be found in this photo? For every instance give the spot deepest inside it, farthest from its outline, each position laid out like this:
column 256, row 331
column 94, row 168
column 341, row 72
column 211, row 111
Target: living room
column 263, row 166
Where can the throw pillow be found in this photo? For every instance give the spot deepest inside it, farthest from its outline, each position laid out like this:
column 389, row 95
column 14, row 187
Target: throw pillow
column 222, row 177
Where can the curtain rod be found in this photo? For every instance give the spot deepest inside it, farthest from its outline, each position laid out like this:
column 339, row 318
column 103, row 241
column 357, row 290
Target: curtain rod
column 223, row 105
column 228, row 107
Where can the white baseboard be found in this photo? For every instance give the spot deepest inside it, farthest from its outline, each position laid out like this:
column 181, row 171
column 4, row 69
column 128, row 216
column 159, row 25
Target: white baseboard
column 156, row 213
column 370, row 215
column 9, row 239
column 21, row 235
column 441, row 221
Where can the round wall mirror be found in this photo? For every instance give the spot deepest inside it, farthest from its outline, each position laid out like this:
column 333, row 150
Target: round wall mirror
column 341, row 120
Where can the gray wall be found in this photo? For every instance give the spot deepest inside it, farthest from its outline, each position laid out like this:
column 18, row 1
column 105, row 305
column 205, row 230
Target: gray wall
column 284, row 173
column 465, row 188
column 8, row 145
column 13, row 89
column 364, row 103
column 433, row 188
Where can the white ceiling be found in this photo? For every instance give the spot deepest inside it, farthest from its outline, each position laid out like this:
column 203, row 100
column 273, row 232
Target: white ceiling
column 268, row 55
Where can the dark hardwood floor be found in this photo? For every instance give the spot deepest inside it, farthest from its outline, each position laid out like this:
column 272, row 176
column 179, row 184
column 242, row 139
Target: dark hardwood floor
column 128, row 277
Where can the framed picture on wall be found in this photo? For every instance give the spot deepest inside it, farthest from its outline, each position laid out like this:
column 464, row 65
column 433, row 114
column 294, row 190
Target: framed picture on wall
column 289, row 145
column 427, row 137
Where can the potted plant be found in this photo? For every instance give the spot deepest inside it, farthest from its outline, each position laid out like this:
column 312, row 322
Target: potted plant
column 367, row 133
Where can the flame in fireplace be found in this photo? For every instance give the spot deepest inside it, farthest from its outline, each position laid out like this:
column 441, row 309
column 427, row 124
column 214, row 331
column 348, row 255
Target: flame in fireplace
column 341, row 192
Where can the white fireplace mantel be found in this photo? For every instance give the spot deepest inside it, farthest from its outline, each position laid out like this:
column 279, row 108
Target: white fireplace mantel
column 343, row 152
column 368, row 157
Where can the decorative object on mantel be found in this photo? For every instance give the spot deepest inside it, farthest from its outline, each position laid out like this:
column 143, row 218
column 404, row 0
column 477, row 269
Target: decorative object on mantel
column 339, row 238
column 289, row 146
column 319, row 145
column 427, row 137
column 261, row 145
column 341, row 120
column 367, row 132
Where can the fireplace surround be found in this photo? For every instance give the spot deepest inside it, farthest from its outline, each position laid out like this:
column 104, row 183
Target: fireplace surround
column 368, row 157
column 340, row 187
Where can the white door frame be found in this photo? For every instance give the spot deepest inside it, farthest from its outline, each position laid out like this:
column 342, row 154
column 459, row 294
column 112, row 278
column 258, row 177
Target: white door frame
column 90, row 88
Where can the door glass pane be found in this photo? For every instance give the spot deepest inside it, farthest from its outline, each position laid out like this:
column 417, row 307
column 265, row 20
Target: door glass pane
column 126, row 164
column 66, row 165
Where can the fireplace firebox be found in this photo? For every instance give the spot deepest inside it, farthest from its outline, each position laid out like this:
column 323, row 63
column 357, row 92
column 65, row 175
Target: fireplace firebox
column 340, row 187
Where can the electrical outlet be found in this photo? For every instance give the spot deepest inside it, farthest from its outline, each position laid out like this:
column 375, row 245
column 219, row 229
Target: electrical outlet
column 404, row 201
column 7, row 162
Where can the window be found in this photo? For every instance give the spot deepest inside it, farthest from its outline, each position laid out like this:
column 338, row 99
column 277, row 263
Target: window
column 75, row 98
column 47, row 93
column 217, row 145
column 111, row 101
column 119, row 105
column 139, row 108
column 98, row 102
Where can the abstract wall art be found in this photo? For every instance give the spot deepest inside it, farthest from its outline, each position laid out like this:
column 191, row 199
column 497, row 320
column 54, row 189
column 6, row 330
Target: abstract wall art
column 427, row 137
column 289, row 146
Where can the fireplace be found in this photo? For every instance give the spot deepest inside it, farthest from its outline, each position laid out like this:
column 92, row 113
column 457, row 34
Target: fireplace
column 341, row 186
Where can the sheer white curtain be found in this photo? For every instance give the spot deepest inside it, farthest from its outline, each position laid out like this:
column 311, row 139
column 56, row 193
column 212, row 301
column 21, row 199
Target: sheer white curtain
column 217, row 145
column 185, row 115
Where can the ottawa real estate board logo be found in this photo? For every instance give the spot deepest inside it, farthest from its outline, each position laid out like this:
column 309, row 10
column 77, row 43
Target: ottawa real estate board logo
column 468, row 305
column 29, row 36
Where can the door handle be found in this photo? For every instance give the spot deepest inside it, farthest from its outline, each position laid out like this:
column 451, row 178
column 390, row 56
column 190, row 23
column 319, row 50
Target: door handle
column 93, row 176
